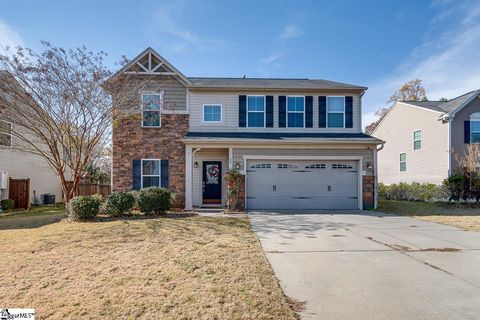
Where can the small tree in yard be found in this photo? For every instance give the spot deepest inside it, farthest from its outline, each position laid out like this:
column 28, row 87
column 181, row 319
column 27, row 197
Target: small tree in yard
column 60, row 110
column 233, row 179
column 469, row 167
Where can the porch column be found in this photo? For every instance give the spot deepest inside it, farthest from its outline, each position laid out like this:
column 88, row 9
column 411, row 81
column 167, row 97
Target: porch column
column 188, row 178
column 230, row 158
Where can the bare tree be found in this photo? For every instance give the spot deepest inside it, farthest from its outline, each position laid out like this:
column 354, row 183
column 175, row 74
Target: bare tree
column 60, row 110
column 410, row 91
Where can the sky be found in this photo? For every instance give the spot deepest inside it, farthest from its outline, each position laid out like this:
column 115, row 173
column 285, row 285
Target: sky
column 375, row 43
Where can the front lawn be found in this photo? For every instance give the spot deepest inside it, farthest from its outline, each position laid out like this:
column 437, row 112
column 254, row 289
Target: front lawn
column 174, row 267
column 461, row 216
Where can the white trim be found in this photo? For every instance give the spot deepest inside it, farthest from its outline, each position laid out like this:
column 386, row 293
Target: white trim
column 400, row 161
column 421, row 136
column 230, row 158
column 296, row 111
column 471, row 130
column 188, row 177
column 335, row 112
column 449, row 147
column 264, row 110
column 151, row 175
column 375, row 178
column 419, row 107
column 360, row 170
column 212, row 105
column 161, row 94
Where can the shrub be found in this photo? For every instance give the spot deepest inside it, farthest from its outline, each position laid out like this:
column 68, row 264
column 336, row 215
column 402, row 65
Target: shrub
column 84, row 208
column 155, row 200
column 119, row 203
column 7, row 204
column 457, row 187
column 412, row 192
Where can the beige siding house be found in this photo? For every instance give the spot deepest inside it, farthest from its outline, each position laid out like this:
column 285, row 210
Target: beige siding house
column 298, row 143
column 423, row 138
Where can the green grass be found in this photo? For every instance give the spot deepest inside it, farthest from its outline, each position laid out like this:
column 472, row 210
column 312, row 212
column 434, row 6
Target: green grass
column 417, row 208
column 34, row 211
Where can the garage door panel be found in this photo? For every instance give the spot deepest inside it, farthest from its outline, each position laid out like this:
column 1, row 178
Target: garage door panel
column 302, row 185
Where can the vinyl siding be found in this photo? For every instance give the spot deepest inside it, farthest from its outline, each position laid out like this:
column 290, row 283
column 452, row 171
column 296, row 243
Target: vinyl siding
column 457, row 130
column 367, row 154
column 23, row 165
column 428, row 164
column 229, row 102
column 207, row 155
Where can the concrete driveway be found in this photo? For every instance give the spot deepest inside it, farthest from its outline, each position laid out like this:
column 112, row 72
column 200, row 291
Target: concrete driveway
column 372, row 266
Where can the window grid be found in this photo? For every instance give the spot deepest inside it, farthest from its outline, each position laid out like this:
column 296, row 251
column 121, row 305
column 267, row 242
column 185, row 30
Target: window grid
column 417, row 140
column 335, row 107
column 151, row 108
column 296, row 111
column 403, row 162
column 256, row 111
column 151, row 179
column 212, row 113
column 474, row 131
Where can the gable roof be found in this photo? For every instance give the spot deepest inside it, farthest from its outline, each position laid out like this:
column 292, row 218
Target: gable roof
column 141, row 66
column 449, row 108
column 270, row 83
column 149, row 52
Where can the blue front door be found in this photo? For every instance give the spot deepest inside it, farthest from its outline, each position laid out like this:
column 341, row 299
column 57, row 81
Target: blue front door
column 212, row 182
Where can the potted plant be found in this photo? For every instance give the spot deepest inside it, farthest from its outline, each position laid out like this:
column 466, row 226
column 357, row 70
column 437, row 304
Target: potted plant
column 233, row 178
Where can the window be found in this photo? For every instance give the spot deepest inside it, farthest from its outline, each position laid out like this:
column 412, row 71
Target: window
column 417, row 139
column 315, row 166
column 212, row 113
column 261, row 166
column 336, row 112
column 256, row 111
column 150, row 173
column 286, row 166
column 474, row 131
column 151, row 104
column 5, row 133
column 403, row 162
column 295, row 112
column 341, row 166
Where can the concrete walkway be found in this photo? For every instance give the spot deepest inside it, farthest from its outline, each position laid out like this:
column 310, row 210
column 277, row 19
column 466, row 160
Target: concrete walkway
column 355, row 265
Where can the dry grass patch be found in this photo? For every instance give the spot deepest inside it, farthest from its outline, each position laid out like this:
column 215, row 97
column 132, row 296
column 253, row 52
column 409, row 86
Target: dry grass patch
column 166, row 268
column 464, row 222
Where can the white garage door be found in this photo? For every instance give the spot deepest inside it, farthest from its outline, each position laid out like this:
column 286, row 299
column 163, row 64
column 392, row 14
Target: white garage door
column 302, row 184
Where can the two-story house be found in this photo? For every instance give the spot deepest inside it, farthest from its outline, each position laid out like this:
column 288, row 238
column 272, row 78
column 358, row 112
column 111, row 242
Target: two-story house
column 424, row 138
column 298, row 142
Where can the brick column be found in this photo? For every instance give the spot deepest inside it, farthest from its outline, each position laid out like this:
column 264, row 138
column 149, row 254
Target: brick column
column 368, row 192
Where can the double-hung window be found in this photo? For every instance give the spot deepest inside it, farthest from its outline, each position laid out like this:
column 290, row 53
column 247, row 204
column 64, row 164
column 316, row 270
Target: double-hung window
column 336, row 112
column 475, row 131
column 256, row 111
column 212, row 113
column 295, row 112
column 403, row 162
column 151, row 108
column 5, row 133
column 150, row 173
column 417, row 139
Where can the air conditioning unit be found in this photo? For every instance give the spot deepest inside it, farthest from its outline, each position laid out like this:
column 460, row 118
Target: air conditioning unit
column 3, row 179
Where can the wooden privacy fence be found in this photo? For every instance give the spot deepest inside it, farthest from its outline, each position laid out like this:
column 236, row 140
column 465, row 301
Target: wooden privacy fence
column 19, row 191
column 87, row 189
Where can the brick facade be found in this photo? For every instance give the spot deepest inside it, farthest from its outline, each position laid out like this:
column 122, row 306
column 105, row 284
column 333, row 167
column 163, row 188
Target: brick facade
column 132, row 142
column 368, row 192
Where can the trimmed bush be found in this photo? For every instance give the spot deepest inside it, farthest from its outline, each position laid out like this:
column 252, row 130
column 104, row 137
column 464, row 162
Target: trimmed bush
column 412, row 192
column 119, row 203
column 84, row 208
column 155, row 200
column 457, row 186
column 7, row 204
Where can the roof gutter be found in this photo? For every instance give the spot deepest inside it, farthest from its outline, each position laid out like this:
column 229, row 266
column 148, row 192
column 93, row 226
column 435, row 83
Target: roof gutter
column 283, row 141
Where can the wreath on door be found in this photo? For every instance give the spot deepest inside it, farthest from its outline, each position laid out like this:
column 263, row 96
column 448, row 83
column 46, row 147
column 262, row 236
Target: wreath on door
column 213, row 171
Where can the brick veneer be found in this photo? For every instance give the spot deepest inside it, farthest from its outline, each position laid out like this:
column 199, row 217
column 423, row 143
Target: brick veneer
column 368, row 192
column 131, row 141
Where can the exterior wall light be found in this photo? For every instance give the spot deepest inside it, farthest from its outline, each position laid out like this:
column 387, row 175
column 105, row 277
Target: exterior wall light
column 195, row 164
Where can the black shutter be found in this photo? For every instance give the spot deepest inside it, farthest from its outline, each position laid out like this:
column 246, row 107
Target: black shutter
column 308, row 112
column 322, row 112
column 269, row 111
column 466, row 131
column 282, row 111
column 242, row 111
column 164, row 173
column 136, row 174
column 348, row 112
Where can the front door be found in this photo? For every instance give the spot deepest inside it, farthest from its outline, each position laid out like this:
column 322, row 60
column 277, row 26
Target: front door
column 212, row 182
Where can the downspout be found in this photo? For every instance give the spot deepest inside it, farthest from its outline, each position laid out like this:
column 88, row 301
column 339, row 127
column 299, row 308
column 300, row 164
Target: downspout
column 375, row 179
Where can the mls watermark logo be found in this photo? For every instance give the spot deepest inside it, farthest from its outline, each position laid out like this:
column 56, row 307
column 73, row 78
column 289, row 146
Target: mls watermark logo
column 17, row 314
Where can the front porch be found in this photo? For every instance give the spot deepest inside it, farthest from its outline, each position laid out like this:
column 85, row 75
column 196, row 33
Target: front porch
column 205, row 186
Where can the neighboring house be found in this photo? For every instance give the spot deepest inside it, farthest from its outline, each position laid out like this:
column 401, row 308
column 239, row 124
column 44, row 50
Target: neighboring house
column 299, row 142
column 424, row 138
column 17, row 164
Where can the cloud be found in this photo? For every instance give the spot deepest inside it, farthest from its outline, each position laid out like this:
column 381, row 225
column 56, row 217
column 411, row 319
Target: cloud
column 448, row 64
column 9, row 37
column 270, row 59
column 166, row 20
column 290, row 31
